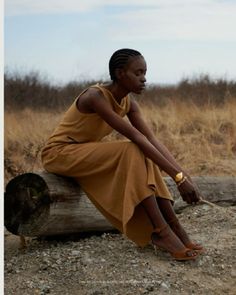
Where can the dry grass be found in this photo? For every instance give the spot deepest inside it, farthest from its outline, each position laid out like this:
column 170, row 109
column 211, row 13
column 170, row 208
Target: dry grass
column 203, row 139
column 25, row 134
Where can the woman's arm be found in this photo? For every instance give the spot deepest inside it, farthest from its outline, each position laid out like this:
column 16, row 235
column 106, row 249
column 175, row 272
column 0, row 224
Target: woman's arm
column 100, row 106
column 136, row 119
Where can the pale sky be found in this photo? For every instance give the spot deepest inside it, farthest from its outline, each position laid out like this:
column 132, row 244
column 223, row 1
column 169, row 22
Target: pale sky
column 73, row 39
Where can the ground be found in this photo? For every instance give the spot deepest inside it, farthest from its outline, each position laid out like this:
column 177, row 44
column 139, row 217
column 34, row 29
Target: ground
column 111, row 264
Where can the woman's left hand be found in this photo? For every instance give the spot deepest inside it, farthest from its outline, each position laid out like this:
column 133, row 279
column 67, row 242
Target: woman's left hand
column 189, row 191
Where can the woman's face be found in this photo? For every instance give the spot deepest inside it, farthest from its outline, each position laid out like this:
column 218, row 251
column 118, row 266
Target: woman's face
column 132, row 77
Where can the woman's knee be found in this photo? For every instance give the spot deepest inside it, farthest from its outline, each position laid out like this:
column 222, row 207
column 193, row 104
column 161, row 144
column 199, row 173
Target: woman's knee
column 131, row 146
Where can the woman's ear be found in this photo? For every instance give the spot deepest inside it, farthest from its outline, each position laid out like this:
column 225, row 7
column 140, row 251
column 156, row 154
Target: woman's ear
column 119, row 73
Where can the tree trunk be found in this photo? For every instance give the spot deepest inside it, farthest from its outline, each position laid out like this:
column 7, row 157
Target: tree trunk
column 44, row 204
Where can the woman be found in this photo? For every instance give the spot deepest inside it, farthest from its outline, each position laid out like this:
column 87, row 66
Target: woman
column 122, row 178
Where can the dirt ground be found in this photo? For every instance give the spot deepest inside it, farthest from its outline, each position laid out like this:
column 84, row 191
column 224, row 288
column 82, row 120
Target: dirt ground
column 110, row 264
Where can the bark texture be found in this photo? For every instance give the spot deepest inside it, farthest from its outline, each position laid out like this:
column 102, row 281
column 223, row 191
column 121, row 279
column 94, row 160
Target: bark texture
column 44, row 204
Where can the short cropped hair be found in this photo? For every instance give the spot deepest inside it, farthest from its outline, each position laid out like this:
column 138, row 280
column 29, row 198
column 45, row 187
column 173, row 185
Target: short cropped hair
column 119, row 59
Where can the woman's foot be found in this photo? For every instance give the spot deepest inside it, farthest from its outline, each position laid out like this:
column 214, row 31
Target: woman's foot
column 180, row 232
column 166, row 239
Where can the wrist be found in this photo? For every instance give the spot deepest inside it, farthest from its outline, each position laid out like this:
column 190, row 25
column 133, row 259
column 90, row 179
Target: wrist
column 182, row 181
column 178, row 177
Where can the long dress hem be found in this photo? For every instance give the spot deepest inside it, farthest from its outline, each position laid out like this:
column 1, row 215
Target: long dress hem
column 115, row 175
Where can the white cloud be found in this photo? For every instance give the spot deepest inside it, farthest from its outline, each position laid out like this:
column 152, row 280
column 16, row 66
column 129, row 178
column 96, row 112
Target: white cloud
column 196, row 20
column 16, row 7
column 202, row 20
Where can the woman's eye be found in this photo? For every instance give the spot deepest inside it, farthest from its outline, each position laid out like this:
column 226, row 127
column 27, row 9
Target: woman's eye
column 139, row 73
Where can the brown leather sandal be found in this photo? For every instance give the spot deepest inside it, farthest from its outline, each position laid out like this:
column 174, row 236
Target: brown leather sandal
column 191, row 245
column 186, row 254
column 196, row 247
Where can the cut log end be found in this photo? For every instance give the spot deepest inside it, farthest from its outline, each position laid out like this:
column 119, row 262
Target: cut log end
column 25, row 195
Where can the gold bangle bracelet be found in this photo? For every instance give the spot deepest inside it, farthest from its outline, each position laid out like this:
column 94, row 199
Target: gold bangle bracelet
column 182, row 181
column 179, row 177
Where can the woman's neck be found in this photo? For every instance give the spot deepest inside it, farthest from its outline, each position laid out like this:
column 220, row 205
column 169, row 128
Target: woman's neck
column 117, row 92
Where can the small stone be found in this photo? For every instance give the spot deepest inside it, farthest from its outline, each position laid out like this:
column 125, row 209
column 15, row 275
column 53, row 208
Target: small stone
column 150, row 288
column 97, row 292
column 200, row 262
column 44, row 289
column 43, row 266
column 75, row 253
column 233, row 273
column 205, row 207
column 45, row 260
column 164, row 285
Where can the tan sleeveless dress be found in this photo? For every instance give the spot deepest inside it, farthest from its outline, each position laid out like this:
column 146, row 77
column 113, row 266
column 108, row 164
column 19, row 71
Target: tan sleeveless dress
column 115, row 175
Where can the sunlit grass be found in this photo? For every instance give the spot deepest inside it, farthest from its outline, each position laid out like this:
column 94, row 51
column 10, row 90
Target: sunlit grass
column 202, row 139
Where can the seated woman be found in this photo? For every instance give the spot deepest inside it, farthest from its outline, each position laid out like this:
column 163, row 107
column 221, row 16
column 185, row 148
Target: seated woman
column 122, row 178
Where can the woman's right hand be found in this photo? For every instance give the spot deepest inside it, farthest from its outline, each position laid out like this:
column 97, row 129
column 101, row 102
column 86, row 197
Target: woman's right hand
column 189, row 192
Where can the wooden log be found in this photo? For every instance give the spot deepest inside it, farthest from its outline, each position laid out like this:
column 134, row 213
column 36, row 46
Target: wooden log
column 44, row 204
column 215, row 189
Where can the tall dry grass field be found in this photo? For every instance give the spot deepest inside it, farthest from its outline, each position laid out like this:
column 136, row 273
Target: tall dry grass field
column 202, row 139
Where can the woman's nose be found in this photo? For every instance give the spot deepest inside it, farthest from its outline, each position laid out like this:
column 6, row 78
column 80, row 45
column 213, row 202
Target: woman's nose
column 143, row 79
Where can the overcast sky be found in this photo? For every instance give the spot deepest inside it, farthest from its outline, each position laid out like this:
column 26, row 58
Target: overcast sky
column 73, row 40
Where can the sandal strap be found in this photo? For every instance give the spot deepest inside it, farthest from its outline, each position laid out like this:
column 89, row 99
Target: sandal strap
column 183, row 255
column 158, row 230
column 195, row 246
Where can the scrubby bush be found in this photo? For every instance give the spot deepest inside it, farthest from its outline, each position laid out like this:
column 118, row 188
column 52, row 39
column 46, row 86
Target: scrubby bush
column 31, row 91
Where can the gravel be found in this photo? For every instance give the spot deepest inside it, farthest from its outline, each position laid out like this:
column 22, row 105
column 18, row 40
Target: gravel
column 108, row 263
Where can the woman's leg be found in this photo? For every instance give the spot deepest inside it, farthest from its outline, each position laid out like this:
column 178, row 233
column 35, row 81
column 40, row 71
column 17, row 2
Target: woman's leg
column 166, row 239
column 168, row 213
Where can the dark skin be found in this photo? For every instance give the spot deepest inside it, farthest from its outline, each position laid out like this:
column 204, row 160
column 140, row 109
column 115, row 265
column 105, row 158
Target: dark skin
column 129, row 79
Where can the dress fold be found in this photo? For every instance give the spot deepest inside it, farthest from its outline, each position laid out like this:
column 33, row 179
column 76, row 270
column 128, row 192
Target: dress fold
column 115, row 175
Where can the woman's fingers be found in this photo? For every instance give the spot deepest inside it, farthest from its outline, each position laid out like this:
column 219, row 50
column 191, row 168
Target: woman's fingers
column 197, row 195
column 195, row 199
column 186, row 198
column 189, row 192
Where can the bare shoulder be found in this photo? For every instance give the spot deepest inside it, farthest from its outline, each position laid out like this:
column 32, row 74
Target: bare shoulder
column 86, row 100
column 90, row 93
column 134, row 106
